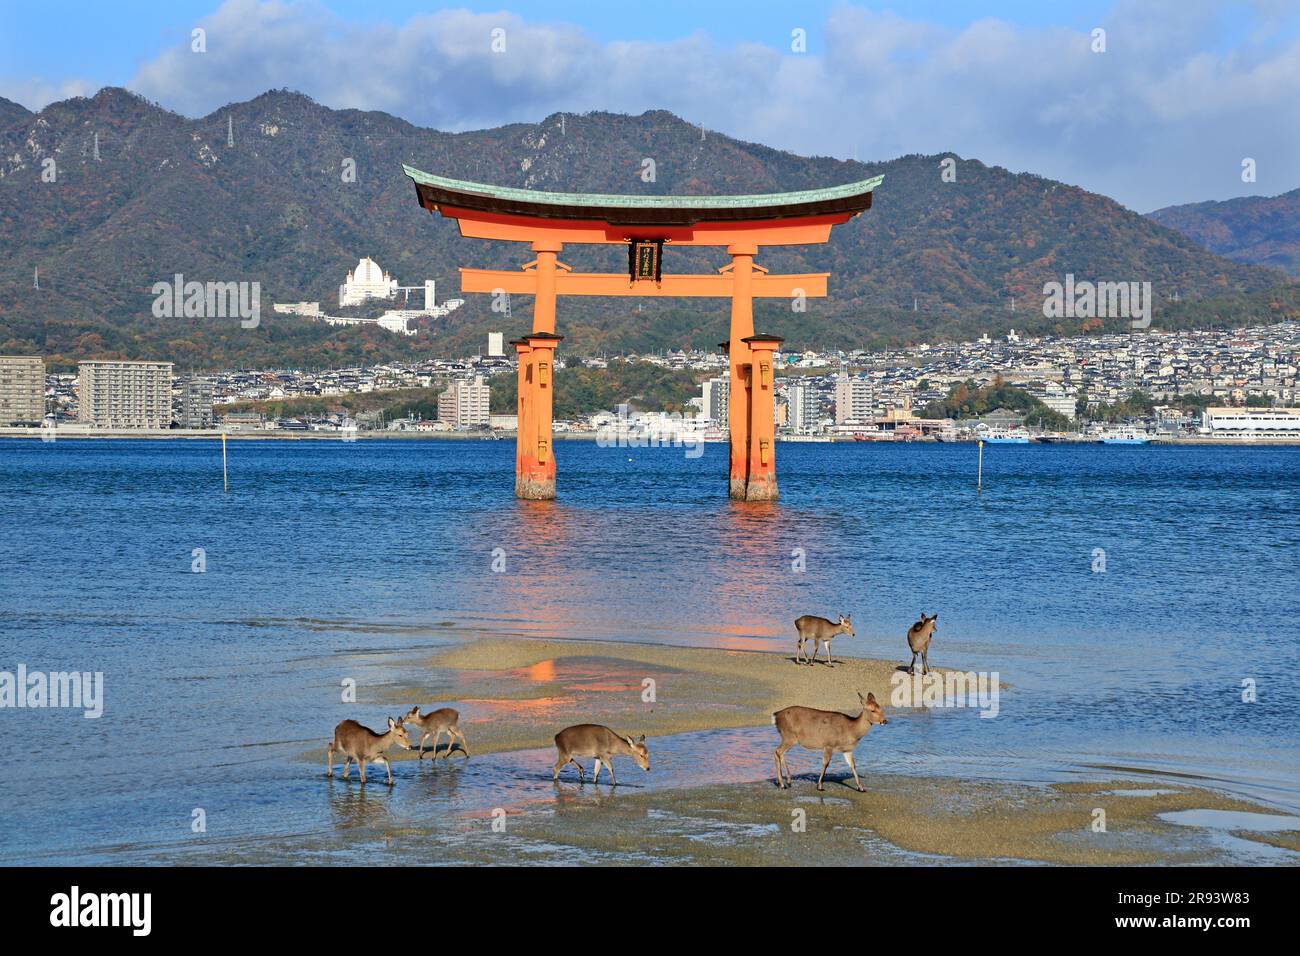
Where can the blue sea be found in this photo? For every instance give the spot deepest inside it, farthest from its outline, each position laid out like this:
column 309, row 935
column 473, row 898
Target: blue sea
column 1128, row 597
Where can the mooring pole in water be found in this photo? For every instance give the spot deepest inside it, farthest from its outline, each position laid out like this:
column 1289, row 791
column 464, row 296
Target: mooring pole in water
column 225, row 475
column 979, row 475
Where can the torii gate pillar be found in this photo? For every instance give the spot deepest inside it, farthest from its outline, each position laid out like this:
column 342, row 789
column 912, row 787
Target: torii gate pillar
column 535, row 464
column 761, row 484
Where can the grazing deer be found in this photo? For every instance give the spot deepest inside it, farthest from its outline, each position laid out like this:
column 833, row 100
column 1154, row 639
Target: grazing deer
column 918, row 639
column 363, row 745
column 826, row 730
column 434, row 723
column 820, row 631
column 593, row 740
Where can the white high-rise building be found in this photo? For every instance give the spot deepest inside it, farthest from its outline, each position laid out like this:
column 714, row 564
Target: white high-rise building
column 368, row 281
column 116, row 394
column 716, row 392
column 803, row 409
column 854, row 399
column 496, row 345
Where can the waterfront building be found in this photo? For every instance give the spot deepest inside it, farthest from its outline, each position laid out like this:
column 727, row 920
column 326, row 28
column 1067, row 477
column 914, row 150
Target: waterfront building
column 803, row 408
column 120, row 394
column 465, row 403
column 1252, row 422
column 22, row 390
column 1062, row 403
column 715, row 398
column 195, row 402
column 854, row 399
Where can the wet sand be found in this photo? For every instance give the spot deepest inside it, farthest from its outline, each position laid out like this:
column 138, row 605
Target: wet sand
column 899, row 820
column 516, row 693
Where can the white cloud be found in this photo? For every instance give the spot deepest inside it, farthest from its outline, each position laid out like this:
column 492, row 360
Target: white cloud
column 1165, row 115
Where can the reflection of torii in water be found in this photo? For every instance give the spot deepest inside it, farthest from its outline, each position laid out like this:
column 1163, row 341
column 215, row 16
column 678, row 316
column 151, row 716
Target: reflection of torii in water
column 645, row 224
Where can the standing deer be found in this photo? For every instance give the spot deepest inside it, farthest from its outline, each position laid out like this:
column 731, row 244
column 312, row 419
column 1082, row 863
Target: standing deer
column 820, row 631
column 826, row 730
column 918, row 639
column 363, row 745
column 593, row 740
column 434, row 723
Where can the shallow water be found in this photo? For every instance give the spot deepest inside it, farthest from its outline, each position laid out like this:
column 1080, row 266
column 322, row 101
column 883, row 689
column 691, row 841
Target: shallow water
column 349, row 560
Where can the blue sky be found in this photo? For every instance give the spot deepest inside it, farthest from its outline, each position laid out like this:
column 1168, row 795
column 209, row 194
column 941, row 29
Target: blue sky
column 1185, row 90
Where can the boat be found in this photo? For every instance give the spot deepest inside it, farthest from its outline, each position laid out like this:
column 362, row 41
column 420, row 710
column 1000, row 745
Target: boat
column 1124, row 436
column 1003, row 436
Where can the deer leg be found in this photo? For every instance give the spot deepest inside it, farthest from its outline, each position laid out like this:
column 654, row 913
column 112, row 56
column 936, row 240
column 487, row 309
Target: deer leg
column 780, row 766
column 329, row 759
column 911, row 668
column 828, row 654
column 596, row 776
column 423, row 738
column 464, row 745
column 848, row 759
column 560, row 764
column 347, row 765
column 437, row 735
column 361, row 763
column 925, row 661
column 609, row 762
column 389, row 768
column 825, row 763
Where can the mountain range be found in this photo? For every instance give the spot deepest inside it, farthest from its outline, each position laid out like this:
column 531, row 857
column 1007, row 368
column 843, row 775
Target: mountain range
column 1262, row 230
column 102, row 197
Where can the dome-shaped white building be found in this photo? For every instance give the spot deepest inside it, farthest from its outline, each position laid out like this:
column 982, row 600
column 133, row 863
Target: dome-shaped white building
column 366, row 281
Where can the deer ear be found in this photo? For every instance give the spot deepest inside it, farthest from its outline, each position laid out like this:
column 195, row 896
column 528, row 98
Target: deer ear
column 871, row 698
column 641, row 739
column 630, row 741
column 391, row 723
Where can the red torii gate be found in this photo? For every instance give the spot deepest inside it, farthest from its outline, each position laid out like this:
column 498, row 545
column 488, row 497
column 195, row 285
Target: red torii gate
column 743, row 224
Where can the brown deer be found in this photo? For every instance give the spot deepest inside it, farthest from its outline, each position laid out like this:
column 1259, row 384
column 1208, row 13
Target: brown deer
column 434, row 723
column 593, row 740
column 918, row 639
column 826, row 730
column 363, row 745
column 820, row 631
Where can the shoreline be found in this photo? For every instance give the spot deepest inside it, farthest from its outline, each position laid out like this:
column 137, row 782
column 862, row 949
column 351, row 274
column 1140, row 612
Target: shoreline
column 178, row 434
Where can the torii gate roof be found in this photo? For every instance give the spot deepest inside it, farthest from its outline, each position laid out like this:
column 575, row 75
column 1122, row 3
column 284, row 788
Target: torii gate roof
column 454, row 197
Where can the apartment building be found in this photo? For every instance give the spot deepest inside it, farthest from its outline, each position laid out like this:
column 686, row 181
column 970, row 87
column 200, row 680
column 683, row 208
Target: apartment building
column 465, row 403
column 22, row 390
column 804, row 408
column 195, row 402
column 854, row 399
column 119, row 394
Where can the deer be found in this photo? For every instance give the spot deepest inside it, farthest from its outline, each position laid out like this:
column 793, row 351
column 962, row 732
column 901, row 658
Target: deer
column 434, row 723
column 820, row 631
column 826, row 730
column 363, row 745
column 593, row 740
column 918, row 639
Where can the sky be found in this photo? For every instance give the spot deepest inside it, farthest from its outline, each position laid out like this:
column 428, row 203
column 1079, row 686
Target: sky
column 1180, row 94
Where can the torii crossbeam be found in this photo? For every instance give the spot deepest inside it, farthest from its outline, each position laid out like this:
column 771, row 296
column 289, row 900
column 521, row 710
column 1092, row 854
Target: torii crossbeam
column 645, row 224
